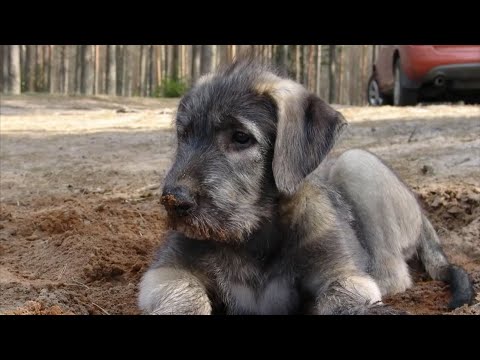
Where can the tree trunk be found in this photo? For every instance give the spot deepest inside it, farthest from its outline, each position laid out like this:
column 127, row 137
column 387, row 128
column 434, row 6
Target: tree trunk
column 304, row 62
column 169, row 61
column 213, row 64
column 366, row 72
column 163, row 60
column 23, row 68
column 97, row 74
column 285, row 56
column 340, row 76
column 206, row 62
column 14, row 68
column 82, row 68
column 291, row 61
column 196, row 62
column 88, row 73
column 127, row 73
column 47, row 58
column 150, row 71
column 222, row 54
column 53, row 69
column 5, row 68
column 78, row 69
column 188, row 64
column 178, row 61
column 143, row 70
column 281, row 58
column 1, row 65
column 311, row 68
column 244, row 50
column 61, row 68
column 70, row 53
column 111, row 70
column 319, row 69
column 159, row 68
column 119, row 64
column 175, row 62
column 331, row 74
column 298, row 64
column 38, row 68
column 352, row 76
column 181, row 61
column 271, row 54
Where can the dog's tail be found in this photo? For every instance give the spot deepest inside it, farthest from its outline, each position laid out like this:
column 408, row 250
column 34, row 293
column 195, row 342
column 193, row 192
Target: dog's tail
column 439, row 268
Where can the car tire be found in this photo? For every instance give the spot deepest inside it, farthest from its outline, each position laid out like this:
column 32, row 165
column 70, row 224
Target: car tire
column 472, row 100
column 374, row 96
column 402, row 96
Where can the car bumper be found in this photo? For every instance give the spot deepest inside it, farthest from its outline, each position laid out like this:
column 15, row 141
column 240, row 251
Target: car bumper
column 455, row 76
column 418, row 60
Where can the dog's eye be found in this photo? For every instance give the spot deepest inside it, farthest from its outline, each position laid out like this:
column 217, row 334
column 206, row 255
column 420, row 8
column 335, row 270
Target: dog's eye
column 240, row 137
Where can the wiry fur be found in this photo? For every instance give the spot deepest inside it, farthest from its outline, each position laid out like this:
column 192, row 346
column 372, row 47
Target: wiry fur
column 271, row 228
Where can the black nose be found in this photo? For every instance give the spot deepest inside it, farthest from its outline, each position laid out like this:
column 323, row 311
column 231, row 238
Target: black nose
column 178, row 200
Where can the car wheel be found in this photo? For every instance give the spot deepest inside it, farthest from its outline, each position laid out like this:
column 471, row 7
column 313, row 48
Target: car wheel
column 401, row 95
column 374, row 96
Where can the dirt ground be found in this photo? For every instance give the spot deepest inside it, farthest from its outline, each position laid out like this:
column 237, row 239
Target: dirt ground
column 80, row 177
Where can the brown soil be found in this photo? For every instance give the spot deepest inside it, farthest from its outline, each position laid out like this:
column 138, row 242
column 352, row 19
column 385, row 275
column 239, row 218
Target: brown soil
column 80, row 212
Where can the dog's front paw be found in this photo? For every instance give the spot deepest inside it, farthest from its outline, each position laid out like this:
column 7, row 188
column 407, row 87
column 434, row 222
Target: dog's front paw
column 183, row 309
column 179, row 298
column 165, row 291
column 382, row 309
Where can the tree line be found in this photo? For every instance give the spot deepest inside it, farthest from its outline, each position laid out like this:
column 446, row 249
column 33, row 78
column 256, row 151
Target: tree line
column 337, row 73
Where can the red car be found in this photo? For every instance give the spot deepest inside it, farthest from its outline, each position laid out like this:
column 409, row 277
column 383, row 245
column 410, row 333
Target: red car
column 406, row 74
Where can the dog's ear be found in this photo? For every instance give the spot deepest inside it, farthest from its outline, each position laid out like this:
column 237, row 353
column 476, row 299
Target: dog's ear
column 307, row 129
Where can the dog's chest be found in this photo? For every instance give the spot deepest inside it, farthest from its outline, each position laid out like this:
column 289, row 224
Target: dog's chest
column 251, row 287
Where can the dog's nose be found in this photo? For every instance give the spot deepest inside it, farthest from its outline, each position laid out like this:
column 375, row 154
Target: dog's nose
column 177, row 199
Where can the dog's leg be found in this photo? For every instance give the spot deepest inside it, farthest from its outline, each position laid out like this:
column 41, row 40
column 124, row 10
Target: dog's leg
column 169, row 291
column 354, row 295
column 391, row 273
column 336, row 263
column 388, row 217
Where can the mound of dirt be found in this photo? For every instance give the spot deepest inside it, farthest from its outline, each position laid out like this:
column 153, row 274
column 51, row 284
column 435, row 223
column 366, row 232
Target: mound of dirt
column 85, row 254
column 454, row 211
column 35, row 308
column 81, row 255
column 453, row 206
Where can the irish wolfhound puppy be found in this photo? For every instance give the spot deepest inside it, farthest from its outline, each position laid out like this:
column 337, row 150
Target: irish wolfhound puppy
column 262, row 226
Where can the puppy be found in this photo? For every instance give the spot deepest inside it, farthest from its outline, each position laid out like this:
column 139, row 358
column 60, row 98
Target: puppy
column 262, row 225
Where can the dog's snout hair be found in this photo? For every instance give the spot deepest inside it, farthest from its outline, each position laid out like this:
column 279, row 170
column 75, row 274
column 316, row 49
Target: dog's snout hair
column 261, row 224
column 178, row 199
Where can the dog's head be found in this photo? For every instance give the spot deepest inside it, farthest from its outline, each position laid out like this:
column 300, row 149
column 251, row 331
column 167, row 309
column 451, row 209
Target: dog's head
column 245, row 136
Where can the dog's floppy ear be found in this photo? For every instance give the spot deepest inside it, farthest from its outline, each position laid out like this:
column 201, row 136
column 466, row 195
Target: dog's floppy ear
column 307, row 129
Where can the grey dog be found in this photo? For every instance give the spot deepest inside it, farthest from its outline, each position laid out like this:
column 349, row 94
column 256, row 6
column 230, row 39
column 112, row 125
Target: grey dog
column 264, row 222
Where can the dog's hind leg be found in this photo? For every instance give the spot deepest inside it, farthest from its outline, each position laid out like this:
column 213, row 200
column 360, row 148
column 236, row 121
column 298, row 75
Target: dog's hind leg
column 353, row 295
column 388, row 217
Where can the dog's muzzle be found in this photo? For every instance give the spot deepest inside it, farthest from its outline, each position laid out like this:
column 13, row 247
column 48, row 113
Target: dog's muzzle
column 178, row 200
